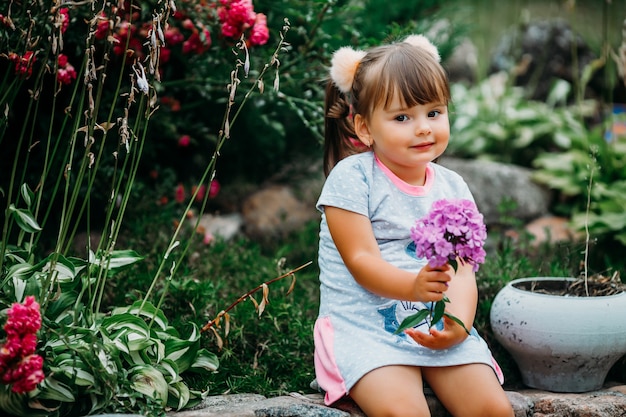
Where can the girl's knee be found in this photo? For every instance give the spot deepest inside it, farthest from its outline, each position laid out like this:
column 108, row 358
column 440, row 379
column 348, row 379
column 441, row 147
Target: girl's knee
column 499, row 406
column 396, row 409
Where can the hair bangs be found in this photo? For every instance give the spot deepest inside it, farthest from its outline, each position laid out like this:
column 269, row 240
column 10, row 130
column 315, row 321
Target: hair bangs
column 409, row 74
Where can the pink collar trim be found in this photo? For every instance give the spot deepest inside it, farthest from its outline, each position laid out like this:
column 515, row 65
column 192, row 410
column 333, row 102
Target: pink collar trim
column 416, row 190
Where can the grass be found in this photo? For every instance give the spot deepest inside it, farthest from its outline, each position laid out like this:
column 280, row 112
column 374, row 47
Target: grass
column 273, row 354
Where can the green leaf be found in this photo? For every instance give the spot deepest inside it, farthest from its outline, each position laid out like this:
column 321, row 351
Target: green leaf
column 19, row 271
column 170, row 370
column 454, row 264
column 125, row 322
column 74, row 369
column 116, row 259
column 205, row 360
column 51, row 389
column 412, row 320
column 440, row 307
column 63, row 267
column 61, row 303
column 145, row 309
column 181, row 352
column 25, row 219
column 149, row 381
column 27, row 194
column 457, row 320
column 180, row 392
column 11, row 403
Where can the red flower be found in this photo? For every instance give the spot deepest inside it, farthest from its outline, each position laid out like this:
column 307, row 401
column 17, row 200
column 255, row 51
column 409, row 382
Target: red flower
column 201, row 191
column 66, row 72
column 23, row 318
column 28, row 344
column 259, row 34
column 235, row 16
column 197, row 42
column 26, row 375
column 173, row 36
column 180, row 193
column 18, row 363
column 65, row 18
column 215, row 188
column 184, row 141
column 23, row 64
column 102, row 30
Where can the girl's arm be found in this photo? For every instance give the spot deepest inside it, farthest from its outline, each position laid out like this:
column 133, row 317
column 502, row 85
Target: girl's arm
column 355, row 241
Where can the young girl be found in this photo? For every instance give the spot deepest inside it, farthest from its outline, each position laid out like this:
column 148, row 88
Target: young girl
column 386, row 121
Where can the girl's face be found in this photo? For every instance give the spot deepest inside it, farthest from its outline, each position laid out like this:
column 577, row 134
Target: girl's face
column 406, row 139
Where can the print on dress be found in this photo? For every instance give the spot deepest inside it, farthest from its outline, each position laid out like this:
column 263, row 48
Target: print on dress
column 398, row 311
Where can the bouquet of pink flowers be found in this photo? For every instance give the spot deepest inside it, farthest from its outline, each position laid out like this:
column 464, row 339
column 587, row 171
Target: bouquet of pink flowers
column 453, row 231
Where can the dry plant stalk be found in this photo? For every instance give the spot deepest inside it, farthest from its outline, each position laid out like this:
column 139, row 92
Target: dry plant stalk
column 259, row 307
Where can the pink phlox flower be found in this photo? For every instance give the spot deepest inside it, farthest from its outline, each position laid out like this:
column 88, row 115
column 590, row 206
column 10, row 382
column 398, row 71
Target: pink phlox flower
column 452, row 229
column 165, row 54
column 208, row 238
column 9, row 351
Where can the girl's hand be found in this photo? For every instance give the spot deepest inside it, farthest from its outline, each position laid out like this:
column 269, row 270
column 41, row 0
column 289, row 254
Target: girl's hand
column 431, row 283
column 451, row 335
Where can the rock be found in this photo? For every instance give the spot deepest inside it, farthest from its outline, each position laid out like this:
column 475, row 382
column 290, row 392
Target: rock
column 608, row 402
column 493, row 183
column 603, row 403
column 462, row 65
column 550, row 229
column 225, row 226
column 275, row 211
column 253, row 405
column 278, row 209
column 543, row 51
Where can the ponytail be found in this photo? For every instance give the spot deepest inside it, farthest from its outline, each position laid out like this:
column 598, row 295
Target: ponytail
column 338, row 128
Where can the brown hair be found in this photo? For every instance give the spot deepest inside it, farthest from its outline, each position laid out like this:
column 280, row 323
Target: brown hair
column 411, row 72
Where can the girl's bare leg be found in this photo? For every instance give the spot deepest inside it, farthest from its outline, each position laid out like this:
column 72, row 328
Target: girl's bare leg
column 469, row 391
column 391, row 391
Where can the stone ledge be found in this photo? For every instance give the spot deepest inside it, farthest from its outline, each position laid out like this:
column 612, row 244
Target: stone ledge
column 607, row 402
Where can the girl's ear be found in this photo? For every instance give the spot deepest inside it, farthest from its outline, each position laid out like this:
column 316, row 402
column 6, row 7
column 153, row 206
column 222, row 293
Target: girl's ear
column 362, row 130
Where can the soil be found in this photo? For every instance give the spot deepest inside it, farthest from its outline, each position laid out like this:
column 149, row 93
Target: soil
column 593, row 286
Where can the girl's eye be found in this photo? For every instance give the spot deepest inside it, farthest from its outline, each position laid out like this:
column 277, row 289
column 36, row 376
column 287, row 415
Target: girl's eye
column 402, row 118
column 434, row 113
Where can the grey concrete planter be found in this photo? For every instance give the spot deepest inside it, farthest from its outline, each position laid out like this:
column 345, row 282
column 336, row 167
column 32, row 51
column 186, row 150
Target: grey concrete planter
column 560, row 343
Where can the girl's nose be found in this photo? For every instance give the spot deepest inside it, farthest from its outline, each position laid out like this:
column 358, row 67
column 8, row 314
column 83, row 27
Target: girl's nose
column 423, row 128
